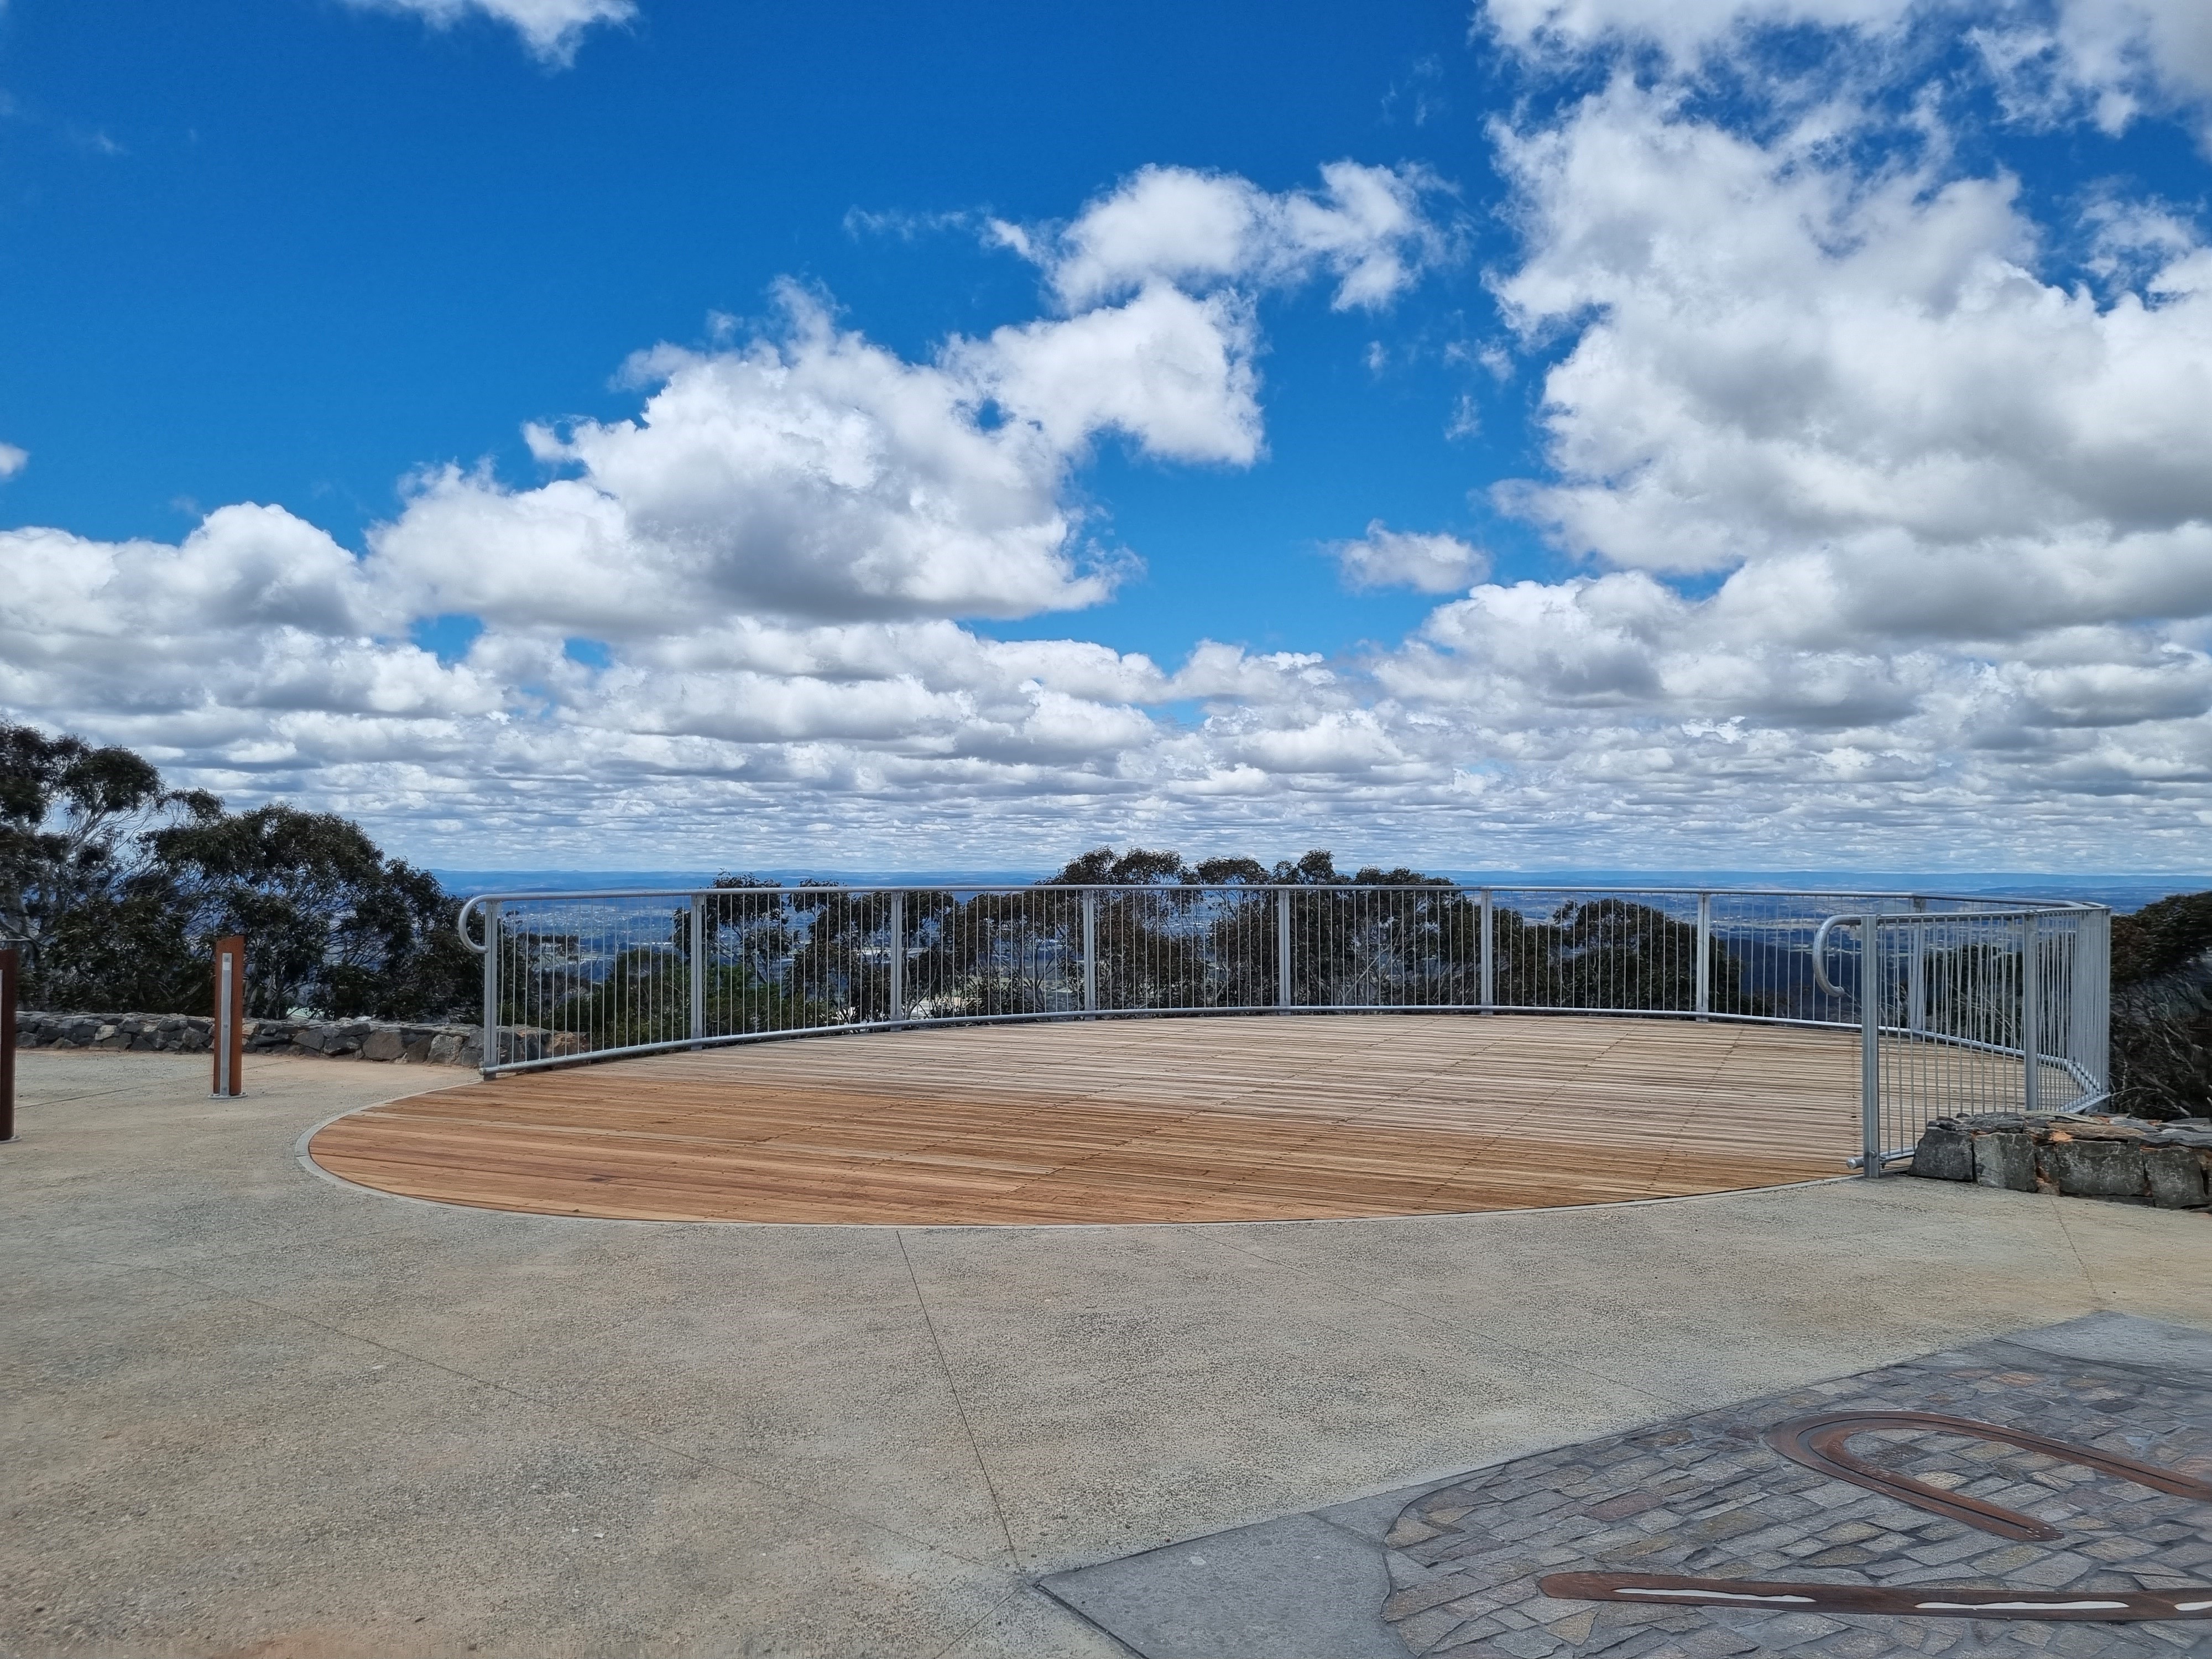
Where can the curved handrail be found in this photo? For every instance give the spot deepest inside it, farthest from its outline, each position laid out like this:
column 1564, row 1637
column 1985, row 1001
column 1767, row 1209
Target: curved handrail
column 461, row 923
column 834, row 972
column 1820, row 953
column 2015, row 907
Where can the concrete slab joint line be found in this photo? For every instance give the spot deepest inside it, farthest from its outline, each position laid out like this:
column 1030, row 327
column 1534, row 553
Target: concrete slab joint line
column 1452, row 1566
column 953, row 1388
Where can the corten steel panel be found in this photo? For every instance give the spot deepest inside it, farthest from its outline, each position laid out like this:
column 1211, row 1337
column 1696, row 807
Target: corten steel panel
column 226, row 1045
column 8, row 969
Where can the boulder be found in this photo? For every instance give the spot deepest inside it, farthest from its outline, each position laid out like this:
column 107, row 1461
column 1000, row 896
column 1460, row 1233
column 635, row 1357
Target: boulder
column 1946, row 1152
column 383, row 1045
column 2092, row 1167
column 2176, row 1177
column 2117, row 1158
column 387, row 1042
column 2005, row 1158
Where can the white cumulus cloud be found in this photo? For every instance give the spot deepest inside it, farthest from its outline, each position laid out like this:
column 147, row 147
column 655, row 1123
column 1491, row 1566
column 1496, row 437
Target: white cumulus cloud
column 2111, row 60
column 1368, row 227
column 1787, row 361
column 1879, row 538
column 809, row 475
column 1171, row 371
column 1431, row 563
column 1685, row 28
column 551, row 29
column 2116, row 59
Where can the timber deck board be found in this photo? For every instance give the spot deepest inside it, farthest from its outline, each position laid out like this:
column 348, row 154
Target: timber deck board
column 1283, row 1117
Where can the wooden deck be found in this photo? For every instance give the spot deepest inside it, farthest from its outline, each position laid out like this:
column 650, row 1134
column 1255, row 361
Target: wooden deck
column 1278, row 1117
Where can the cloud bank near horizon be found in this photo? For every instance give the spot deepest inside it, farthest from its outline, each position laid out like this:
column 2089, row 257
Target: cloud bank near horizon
column 1884, row 521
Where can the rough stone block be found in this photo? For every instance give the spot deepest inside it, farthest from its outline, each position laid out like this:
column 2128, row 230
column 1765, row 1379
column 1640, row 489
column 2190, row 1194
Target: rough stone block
column 2092, row 1168
column 2005, row 1158
column 383, row 1045
column 1946, row 1152
column 445, row 1049
column 2176, row 1177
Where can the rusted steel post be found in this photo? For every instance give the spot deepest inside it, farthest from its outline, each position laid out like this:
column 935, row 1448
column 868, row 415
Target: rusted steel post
column 8, row 969
column 227, row 1036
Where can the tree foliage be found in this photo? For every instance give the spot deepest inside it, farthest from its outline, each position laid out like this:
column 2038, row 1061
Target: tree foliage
column 115, row 889
column 2161, row 1029
column 1349, row 947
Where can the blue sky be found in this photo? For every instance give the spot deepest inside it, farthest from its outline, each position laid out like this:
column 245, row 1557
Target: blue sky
column 331, row 246
column 1563, row 431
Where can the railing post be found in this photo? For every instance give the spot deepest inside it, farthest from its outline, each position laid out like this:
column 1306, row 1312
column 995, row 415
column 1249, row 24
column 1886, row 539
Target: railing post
column 9, row 959
column 698, row 967
column 489, row 1060
column 2088, row 976
column 2031, row 1017
column 1869, row 1047
column 1090, row 951
column 227, row 1036
column 1489, row 959
column 898, row 955
column 1705, row 954
column 1282, row 947
column 1915, row 977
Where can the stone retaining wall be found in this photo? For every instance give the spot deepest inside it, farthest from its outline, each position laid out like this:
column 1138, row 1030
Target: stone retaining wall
column 337, row 1039
column 2122, row 1159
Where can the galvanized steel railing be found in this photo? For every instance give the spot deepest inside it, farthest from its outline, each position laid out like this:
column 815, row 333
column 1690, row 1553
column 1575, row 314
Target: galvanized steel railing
column 1961, row 1003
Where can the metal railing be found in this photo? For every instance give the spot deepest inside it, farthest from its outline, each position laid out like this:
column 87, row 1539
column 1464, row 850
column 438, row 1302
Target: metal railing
column 1959, row 1003
column 1982, row 1009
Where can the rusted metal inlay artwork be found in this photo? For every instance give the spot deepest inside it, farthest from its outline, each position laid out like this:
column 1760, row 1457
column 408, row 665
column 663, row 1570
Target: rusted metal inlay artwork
column 1820, row 1443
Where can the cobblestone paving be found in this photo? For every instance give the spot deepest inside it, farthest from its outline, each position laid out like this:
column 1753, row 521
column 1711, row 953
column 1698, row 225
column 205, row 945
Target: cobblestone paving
column 1701, row 1497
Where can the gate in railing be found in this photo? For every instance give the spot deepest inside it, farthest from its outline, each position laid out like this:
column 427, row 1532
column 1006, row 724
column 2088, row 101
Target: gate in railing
column 1959, row 1003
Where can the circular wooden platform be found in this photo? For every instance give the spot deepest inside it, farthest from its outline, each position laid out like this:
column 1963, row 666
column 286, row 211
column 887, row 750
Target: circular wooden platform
column 1265, row 1118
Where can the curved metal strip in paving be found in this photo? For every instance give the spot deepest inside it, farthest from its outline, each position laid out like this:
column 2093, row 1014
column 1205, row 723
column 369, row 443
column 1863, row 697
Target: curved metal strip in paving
column 1268, row 1118
column 1918, row 1600
column 1822, row 1443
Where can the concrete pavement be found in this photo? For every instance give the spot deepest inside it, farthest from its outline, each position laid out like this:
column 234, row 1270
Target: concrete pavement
column 248, row 1410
